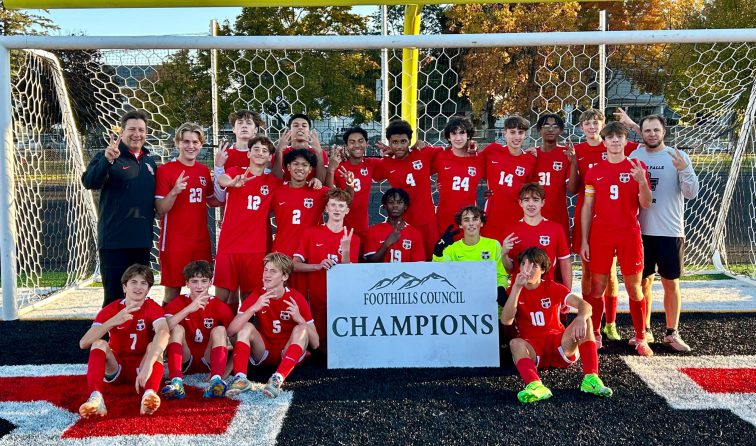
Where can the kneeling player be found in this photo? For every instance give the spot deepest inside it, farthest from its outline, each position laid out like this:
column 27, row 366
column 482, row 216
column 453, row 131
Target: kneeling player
column 283, row 330
column 544, row 342
column 132, row 353
column 198, row 333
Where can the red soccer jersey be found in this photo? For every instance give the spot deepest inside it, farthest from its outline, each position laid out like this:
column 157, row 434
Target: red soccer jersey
column 287, row 175
column 409, row 248
column 274, row 321
column 245, row 221
column 199, row 324
column 413, row 174
column 320, row 243
column 185, row 225
column 615, row 192
column 547, row 235
column 296, row 209
column 538, row 309
column 553, row 172
column 505, row 174
column 587, row 157
column 237, row 158
column 132, row 337
column 458, row 178
column 359, row 211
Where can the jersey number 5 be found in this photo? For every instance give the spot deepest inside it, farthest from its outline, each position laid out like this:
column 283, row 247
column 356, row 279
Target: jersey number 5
column 276, row 326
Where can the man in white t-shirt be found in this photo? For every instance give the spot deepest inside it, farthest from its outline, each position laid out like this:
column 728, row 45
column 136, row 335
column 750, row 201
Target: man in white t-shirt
column 672, row 181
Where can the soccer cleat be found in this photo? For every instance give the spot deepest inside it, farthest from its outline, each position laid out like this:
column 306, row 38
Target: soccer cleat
column 95, row 405
column 174, row 390
column 150, row 402
column 239, row 385
column 533, row 392
column 273, row 388
column 610, row 330
column 647, row 335
column 676, row 343
column 592, row 384
column 641, row 346
column 216, row 388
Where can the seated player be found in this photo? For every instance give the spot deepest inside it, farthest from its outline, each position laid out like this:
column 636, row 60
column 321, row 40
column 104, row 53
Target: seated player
column 536, row 231
column 282, row 331
column 459, row 169
column 410, row 169
column 133, row 353
column 507, row 169
column 300, row 135
column 322, row 247
column 353, row 160
column 242, row 243
column 394, row 240
column 543, row 341
column 182, row 191
column 615, row 189
column 472, row 247
column 198, row 324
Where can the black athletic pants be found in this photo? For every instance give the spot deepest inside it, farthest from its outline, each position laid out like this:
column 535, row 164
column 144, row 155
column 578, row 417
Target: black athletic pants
column 113, row 262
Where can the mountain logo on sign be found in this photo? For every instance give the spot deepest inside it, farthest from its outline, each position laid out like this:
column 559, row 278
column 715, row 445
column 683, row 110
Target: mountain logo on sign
column 406, row 281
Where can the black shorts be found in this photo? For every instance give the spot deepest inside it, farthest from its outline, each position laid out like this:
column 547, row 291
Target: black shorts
column 663, row 254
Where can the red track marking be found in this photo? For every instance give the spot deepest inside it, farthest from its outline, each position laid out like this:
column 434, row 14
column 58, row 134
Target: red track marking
column 721, row 380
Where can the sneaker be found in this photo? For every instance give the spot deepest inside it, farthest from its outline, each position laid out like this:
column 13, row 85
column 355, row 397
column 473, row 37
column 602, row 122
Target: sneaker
column 174, row 390
column 150, row 402
column 215, row 389
column 610, row 330
column 641, row 346
column 676, row 343
column 647, row 335
column 273, row 388
column 592, row 384
column 533, row 392
column 239, row 385
column 95, row 405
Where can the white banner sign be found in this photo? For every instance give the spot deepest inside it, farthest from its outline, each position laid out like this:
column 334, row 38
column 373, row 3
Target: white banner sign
column 413, row 315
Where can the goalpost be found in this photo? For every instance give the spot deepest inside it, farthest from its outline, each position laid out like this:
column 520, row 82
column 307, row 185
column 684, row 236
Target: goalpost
column 702, row 80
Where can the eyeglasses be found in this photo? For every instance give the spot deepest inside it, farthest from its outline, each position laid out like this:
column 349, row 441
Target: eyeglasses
column 550, row 127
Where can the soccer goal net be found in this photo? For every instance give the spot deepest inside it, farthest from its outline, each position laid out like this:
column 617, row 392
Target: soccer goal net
column 65, row 103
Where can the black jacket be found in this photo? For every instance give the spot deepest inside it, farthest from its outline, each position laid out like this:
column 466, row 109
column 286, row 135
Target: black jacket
column 127, row 199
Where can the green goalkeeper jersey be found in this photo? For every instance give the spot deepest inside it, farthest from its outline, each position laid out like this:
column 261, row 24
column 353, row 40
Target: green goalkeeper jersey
column 487, row 249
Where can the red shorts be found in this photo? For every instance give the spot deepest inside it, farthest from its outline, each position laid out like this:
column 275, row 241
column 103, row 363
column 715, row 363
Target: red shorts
column 198, row 365
column 129, row 369
column 627, row 246
column 319, row 314
column 242, row 271
column 274, row 352
column 172, row 264
column 549, row 353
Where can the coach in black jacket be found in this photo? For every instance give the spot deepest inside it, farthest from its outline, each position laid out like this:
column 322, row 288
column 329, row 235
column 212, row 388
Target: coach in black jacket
column 125, row 175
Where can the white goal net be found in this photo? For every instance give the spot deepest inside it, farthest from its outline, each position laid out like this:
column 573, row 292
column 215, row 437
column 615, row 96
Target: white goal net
column 62, row 113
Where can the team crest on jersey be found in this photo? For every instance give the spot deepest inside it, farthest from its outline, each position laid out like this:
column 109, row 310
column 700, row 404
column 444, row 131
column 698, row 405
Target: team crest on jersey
column 485, row 255
column 520, row 171
column 203, row 181
column 544, row 240
column 557, row 165
column 140, row 324
column 309, row 202
column 364, row 171
column 624, row 177
column 264, row 190
column 603, row 156
column 208, row 322
column 407, row 244
column 284, row 315
column 472, row 171
column 417, row 164
column 546, row 302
